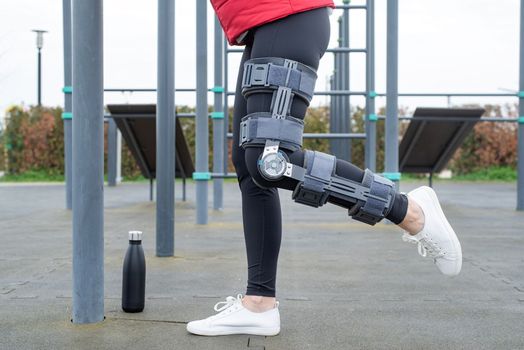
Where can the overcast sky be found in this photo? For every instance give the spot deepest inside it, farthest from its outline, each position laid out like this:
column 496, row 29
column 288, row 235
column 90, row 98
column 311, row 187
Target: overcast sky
column 445, row 45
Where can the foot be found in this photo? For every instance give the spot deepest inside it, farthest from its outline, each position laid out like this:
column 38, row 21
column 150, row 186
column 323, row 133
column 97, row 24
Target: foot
column 436, row 238
column 234, row 318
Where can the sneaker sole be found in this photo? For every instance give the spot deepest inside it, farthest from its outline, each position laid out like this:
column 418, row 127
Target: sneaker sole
column 235, row 330
column 433, row 200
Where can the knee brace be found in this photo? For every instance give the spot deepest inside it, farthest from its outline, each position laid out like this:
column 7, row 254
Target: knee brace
column 276, row 129
column 284, row 79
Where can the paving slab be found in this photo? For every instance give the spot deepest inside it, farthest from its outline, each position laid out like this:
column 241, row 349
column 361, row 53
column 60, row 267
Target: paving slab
column 341, row 284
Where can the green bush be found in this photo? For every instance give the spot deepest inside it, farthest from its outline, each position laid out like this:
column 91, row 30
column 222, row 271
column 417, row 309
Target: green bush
column 32, row 142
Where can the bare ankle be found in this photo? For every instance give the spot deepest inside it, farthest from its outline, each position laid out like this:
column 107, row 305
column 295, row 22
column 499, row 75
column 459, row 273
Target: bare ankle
column 258, row 303
column 413, row 223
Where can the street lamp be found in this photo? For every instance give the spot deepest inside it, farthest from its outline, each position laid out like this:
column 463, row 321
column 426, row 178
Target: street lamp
column 39, row 45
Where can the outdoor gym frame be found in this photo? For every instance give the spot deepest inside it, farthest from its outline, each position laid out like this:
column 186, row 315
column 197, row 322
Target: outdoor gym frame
column 84, row 131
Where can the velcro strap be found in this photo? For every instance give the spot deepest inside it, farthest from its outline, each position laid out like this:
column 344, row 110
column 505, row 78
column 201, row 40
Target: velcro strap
column 320, row 167
column 313, row 178
column 273, row 72
column 263, row 126
column 377, row 201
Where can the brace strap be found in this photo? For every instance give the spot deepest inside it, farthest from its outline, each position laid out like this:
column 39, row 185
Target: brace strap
column 315, row 177
column 378, row 200
column 270, row 73
column 256, row 128
column 317, row 181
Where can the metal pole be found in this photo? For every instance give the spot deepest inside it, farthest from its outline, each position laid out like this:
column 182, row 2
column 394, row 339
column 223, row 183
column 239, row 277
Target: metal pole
column 345, row 80
column 88, row 162
column 226, row 106
column 165, row 130
column 370, row 119
column 332, row 143
column 391, row 160
column 339, row 73
column 118, row 157
column 218, row 120
column 202, row 143
column 111, row 153
column 66, row 116
column 39, row 77
column 520, row 170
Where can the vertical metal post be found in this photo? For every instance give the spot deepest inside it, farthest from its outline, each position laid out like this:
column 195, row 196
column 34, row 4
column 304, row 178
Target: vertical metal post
column 118, row 156
column 39, row 77
column 391, row 160
column 345, row 81
column 520, row 162
column 165, row 130
column 332, row 143
column 111, row 152
column 370, row 119
column 88, row 162
column 218, row 120
column 66, row 116
column 336, row 112
column 202, row 144
column 226, row 107
column 341, row 113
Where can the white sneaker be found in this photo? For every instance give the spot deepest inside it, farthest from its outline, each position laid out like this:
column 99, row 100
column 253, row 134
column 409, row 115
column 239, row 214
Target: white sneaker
column 234, row 318
column 437, row 239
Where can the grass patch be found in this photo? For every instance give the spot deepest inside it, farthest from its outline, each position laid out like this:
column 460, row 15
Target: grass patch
column 489, row 174
column 33, row 176
column 502, row 174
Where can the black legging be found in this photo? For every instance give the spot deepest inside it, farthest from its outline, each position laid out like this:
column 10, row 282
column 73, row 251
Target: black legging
column 302, row 37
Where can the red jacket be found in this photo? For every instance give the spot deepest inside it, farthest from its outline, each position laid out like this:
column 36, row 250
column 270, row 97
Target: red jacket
column 237, row 16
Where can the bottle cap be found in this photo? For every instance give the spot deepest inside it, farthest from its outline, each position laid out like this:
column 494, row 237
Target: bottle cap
column 135, row 235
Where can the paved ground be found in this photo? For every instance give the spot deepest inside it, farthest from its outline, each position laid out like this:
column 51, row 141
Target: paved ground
column 341, row 284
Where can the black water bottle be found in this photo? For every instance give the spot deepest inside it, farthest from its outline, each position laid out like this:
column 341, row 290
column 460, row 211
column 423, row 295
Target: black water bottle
column 134, row 275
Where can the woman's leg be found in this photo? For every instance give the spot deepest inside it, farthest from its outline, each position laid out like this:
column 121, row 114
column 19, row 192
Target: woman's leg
column 261, row 218
column 302, row 37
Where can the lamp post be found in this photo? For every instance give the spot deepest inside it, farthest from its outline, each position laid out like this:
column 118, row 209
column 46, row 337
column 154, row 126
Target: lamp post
column 39, row 45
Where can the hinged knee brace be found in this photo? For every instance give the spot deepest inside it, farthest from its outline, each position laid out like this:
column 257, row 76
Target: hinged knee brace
column 276, row 128
column 284, row 79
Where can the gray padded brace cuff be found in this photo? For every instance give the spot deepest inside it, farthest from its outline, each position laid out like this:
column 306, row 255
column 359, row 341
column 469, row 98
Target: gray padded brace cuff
column 258, row 127
column 268, row 73
column 378, row 202
column 319, row 169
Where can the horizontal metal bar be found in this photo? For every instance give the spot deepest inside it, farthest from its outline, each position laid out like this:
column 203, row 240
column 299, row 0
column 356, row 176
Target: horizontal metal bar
column 346, row 49
column 456, row 119
column 325, row 135
column 335, row 136
column 340, row 93
column 332, row 49
column 179, row 115
column 323, row 93
column 223, row 176
column 351, row 7
column 431, row 94
column 145, row 90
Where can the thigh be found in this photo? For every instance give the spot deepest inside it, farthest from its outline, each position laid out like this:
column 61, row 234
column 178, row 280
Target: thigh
column 301, row 37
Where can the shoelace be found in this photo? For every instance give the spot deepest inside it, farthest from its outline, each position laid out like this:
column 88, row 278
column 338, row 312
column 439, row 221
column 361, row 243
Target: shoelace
column 425, row 247
column 230, row 301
